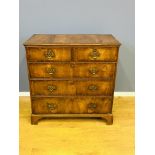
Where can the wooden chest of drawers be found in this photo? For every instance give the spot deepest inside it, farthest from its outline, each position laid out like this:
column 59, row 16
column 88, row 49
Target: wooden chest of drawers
column 72, row 75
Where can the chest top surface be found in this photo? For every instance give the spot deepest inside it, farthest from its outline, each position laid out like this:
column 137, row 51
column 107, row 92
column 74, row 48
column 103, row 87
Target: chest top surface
column 72, row 39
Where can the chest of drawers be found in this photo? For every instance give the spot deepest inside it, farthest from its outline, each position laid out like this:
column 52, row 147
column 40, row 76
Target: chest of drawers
column 71, row 75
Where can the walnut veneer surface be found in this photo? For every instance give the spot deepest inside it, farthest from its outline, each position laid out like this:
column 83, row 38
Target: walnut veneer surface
column 72, row 75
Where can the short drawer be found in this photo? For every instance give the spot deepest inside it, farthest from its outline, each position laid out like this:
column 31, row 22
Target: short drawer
column 77, row 105
column 94, row 88
column 49, row 88
column 95, row 70
column 48, row 54
column 96, row 54
column 50, row 70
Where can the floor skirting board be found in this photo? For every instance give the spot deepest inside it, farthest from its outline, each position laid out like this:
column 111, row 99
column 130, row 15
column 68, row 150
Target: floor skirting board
column 115, row 94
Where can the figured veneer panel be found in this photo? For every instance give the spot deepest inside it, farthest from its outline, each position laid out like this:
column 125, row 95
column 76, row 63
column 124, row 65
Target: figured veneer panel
column 48, row 54
column 72, row 75
column 51, row 105
column 72, row 40
column 86, row 105
column 93, row 54
column 95, row 70
column 45, row 88
column 78, row 105
column 50, row 70
column 94, row 88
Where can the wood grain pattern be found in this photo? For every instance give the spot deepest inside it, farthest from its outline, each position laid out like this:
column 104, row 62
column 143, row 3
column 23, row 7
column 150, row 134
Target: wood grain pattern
column 109, row 54
column 63, row 69
column 78, row 136
column 69, row 70
column 78, row 105
column 62, row 88
column 42, row 105
column 72, row 39
column 94, row 88
column 72, row 87
column 50, row 70
column 40, row 54
column 108, row 117
column 94, row 70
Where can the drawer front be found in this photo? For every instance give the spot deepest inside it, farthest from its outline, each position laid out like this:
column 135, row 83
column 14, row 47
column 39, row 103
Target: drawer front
column 94, row 88
column 51, row 105
column 86, row 105
column 50, row 88
column 97, row 70
column 48, row 54
column 50, row 70
column 78, row 105
column 96, row 54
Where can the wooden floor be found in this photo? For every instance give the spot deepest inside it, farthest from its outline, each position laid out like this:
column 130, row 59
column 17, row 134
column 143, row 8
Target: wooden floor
column 79, row 136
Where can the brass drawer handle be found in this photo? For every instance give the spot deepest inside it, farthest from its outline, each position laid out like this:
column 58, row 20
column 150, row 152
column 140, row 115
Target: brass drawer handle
column 51, row 106
column 92, row 105
column 93, row 70
column 50, row 54
column 52, row 88
column 94, row 54
column 93, row 87
column 51, row 71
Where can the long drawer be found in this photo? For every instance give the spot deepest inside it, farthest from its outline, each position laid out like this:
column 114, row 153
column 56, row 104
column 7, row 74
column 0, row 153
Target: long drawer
column 70, row 70
column 62, row 87
column 77, row 105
